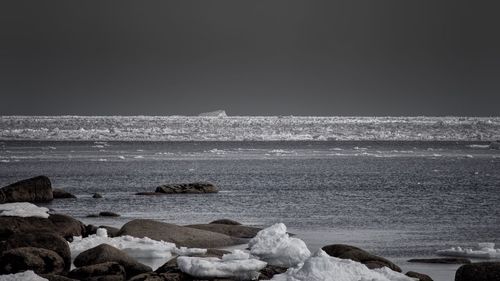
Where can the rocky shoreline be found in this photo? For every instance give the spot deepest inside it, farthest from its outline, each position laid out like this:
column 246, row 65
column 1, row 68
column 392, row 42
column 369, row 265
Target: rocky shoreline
column 58, row 247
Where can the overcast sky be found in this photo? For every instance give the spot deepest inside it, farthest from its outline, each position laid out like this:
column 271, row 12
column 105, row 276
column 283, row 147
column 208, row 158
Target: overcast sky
column 250, row 57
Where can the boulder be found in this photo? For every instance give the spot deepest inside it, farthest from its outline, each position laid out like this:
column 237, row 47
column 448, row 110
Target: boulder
column 45, row 240
column 239, row 231
column 61, row 194
column 153, row 276
column 356, row 254
column 63, row 225
column 196, row 187
column 442, row 260
column 225, row 221
column 419, row 276
column 103, row 271
column 106, row 253
column 37, row 189
column 53, row 277
column 269, row 271
column 180, row 235
column 96, row 195
column 41, row 261
column 480, row 271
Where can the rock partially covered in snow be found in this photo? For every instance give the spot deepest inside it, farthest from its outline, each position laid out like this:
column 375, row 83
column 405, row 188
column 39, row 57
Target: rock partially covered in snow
column 322, row 267
column 216, row 113
column 237, row 265
column 274, row 245
column 484, row 251
column 26, row 276
column 23, row 209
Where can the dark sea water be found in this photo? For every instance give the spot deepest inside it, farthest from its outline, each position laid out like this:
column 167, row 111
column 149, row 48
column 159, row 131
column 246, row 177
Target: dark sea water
column 397, row 199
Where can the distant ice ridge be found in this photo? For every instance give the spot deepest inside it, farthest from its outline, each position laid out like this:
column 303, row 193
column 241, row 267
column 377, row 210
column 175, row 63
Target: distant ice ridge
column 484, row 251
column 245, row 128
column 216, row 113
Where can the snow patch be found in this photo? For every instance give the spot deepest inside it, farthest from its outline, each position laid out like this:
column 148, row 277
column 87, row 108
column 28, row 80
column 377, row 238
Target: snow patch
column 274, row 246
column 26, row 276
column 23, row 209
column 483, row 251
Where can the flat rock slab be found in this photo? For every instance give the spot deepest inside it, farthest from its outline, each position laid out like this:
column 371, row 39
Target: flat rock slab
column 356, row 254
column 442, row 260
column 180, row 235
column 195, row 187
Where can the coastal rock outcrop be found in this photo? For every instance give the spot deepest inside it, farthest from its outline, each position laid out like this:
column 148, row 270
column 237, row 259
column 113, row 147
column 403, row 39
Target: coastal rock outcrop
column 41, row 261
column 106, row 253
column 180, row 235
column 103, row 271
column 356, row 254
column 61, row 194
column 239, row 231
column 225, row 221
column 481, row 271
column 37, row 189
column 442, row 260
column 419, row 276
column 195, row 187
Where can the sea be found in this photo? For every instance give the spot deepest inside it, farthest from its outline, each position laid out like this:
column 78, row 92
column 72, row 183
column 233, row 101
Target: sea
column 396, row 198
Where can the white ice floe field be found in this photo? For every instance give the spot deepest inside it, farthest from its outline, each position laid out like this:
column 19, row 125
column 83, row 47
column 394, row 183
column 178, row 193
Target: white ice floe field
column 483, row 251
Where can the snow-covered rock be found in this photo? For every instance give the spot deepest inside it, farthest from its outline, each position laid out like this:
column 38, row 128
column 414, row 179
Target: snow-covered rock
column 483, row 251
column 23, row 209
column 322, row 267
column 237, row 265
column 275, row 246
column 25, row 276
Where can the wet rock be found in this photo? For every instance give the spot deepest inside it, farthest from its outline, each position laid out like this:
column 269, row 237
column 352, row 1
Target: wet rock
column 41, row 261
column 106, row 253
column 269, row 271
column 481, row 271
column 196, row 187
column 239, row 231
column 419, row 276
column 96, row 195
column 103, row 271
column 356, row 254
column 45, row 240
column 442, row 260
column 61, row 194
column 180, row 235
column 225, row 221
column 37, row 189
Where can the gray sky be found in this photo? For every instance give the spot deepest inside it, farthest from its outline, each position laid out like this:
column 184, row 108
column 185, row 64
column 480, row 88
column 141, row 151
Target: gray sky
column 250, row 57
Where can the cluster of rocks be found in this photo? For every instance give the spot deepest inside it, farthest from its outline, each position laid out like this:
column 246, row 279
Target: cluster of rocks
column 41, row 245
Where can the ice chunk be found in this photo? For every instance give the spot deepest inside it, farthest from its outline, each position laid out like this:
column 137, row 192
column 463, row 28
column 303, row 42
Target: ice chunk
column 322, row 267
column 484, row 251
column 23, row 209
column 216, row 113
column 139, row 248
column 237, row 265
column 274, row 246
column 25, row 276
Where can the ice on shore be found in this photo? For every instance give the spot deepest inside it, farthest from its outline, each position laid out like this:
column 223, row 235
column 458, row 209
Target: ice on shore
column 23, row 209
column 484, row 251
column 25, row 276
column 140, row 248
column 322, row 267
column 237, row 265
column 274, row 245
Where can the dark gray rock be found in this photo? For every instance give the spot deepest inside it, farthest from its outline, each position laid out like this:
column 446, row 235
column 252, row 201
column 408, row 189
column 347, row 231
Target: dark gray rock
column 356, row 254
column 37, row 189
column 225, row 221
column 97, row 195
column 239, row 231
column 61, row 194
column 419, row 276
column 180, row 235
column 112, row 231
column 41, row 261
column 442, row 260
column 108, row 214
column 153, row 276
column 481, row 271
column 106, row 253
column 269, row 271
column 45, row 240
column 53, row 277
column 196, row 187
column 103, row 271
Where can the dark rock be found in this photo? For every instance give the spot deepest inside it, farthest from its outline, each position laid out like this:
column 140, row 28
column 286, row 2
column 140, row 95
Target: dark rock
column 63, row 225
column 53, row 277
column 494, row 145
column 93, row 216
column 106, row 253
column 359, row 255
column 196, row 187
column 419, row 276
column 149, row 193
column 37, row 189
column 108, row 214
column 97, row 195
column 180, row 235
column 45, row 240
column 102, row 271
column 41, row 261
column 442, row 260
column 153, row 276
column 90, row 229
column 269, row 271
column 239, row 231
column 112, row 231
column 481, row 271
column 225, row 221
column 61, row 194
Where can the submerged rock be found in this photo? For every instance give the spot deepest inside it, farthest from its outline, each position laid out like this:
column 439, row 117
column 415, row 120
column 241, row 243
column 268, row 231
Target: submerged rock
column 41, row 261
column 180, row 235
column 96, row 195
column 442, row 260
column 37, row 189
column 196, row 187
column 356, row 254
column 481, row 271
column 61, row 194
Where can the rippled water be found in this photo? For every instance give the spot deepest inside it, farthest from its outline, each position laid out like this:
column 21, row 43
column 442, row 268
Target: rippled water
column 398, row 199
